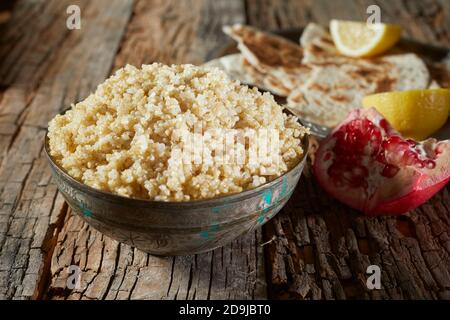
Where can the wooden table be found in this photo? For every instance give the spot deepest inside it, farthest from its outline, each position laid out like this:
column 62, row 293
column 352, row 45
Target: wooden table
column 315, row 248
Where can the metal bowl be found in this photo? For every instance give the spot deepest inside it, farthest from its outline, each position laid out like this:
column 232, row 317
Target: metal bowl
column 176, row 228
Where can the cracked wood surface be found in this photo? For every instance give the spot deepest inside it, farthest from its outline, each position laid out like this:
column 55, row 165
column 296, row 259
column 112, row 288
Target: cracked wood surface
column 44, row 68
column 317, row 248
column 322, row 248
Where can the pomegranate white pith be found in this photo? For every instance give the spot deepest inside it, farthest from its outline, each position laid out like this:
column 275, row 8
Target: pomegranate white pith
column 367, row 165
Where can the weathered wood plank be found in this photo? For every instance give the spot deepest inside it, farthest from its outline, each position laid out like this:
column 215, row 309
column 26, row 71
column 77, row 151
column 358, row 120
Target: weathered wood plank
column 425, row 21
column 318, row 248
column 169, row 32
column 43, row 68
column 321, row 249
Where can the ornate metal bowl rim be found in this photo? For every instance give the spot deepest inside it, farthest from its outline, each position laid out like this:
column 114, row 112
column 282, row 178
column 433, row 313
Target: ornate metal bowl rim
column 140, row 201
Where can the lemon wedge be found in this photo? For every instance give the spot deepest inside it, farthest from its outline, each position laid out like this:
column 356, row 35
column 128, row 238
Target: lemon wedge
column 415, row 114
column 358, row 39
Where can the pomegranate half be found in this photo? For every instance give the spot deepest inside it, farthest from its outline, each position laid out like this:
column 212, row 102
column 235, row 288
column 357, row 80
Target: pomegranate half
column 367, row 165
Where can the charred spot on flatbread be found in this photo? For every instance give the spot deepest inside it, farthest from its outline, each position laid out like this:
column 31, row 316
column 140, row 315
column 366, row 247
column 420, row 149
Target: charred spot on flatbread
column 340, row 97
column 384, row 85
column 319, row 87
column 365, row 72
column 297, row 97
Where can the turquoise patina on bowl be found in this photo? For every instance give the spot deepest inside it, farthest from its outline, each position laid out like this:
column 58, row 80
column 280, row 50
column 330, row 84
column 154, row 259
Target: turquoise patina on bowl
column 177, row 228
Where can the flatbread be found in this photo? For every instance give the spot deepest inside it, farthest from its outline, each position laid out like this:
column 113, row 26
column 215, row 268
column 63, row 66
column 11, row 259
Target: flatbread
column 232, row 65
column 321, row 85
column 338, row 83
column 266, row 81
column 271, row 54
column 238, row 68
column 318, row 46
column 335, row 89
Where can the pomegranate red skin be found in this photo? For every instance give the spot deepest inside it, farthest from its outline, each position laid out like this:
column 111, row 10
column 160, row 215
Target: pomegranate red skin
column 413, row 185
column 408, row 202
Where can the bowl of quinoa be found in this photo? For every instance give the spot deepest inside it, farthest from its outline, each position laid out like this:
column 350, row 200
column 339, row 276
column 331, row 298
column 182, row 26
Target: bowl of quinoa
column 161, row 157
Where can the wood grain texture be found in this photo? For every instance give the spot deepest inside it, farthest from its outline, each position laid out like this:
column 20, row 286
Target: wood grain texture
column 44, row 68
column 317, row 248
column 321, row 249
column 425, row 20
column 170, row 32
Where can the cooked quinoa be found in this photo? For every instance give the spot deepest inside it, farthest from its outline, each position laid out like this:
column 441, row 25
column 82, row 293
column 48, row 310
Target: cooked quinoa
column 125, row 137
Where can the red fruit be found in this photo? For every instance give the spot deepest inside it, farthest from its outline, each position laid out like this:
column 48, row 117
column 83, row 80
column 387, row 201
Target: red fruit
column 367, row 165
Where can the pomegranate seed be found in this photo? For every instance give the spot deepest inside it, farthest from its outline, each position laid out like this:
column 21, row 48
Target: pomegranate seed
column 390, row 170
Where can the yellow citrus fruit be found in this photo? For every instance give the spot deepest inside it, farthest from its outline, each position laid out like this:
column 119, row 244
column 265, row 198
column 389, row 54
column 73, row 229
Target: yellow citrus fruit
column 415, row 114
column 359, row 39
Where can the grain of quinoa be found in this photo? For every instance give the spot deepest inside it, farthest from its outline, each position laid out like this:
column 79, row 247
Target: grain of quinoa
column 124, row 138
